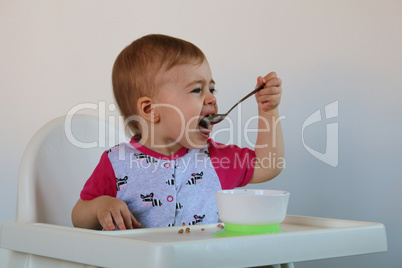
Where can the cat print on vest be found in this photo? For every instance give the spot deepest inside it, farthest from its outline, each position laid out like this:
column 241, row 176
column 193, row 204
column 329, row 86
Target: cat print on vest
column 148, row 200
column 121, row 183
column 144, row 157
column 198, row 219
column 170, row 181
column 196, row 178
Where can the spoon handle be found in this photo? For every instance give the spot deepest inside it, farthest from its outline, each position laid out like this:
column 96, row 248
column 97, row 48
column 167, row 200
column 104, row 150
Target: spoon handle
column 246, row 97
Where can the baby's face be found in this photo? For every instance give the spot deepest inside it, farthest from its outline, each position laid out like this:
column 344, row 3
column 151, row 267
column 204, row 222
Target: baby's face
column 184, row 98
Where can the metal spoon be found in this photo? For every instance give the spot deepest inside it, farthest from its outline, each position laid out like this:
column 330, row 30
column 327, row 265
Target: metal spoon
column 216, row 118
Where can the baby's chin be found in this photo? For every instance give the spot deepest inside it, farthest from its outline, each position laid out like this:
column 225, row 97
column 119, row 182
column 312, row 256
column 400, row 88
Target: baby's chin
column 195, row 144
column 200, row 146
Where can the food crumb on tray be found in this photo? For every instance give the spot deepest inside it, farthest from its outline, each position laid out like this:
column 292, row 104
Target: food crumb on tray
column 182, row 231
column 188, row 230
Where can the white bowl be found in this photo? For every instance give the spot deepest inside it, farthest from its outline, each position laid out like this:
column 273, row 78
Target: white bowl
column 252, row 207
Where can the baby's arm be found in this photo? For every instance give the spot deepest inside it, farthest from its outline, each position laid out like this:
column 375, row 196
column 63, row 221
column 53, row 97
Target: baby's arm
column 103, row 212
column 269, row 148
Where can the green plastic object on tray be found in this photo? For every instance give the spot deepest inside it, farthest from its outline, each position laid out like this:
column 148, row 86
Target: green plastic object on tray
column 231, row 230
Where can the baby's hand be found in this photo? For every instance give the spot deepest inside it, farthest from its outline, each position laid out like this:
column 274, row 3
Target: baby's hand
column 269, row 97
column 112, row 210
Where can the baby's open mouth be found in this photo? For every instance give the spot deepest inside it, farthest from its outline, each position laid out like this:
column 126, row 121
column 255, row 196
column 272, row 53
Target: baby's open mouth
column 204, row 122
column 204, row 125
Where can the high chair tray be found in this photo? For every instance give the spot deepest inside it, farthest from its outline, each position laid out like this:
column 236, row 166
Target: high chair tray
column 304, row 238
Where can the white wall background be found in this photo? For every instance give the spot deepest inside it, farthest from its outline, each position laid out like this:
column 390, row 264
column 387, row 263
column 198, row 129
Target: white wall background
column 57, row 54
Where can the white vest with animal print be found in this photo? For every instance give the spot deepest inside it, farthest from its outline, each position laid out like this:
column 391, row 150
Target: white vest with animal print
column 166, row 192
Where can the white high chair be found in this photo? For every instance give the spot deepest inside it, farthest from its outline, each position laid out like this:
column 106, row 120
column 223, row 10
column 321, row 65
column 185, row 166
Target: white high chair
column 57, row 161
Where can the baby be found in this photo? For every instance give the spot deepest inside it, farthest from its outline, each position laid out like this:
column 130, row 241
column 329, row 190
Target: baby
column 170, row 170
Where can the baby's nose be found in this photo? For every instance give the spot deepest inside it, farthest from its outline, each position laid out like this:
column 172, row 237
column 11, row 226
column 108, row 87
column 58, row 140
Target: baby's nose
column 210, row 99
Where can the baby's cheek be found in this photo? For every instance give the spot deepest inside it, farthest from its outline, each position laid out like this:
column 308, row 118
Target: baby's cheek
column 192, row 121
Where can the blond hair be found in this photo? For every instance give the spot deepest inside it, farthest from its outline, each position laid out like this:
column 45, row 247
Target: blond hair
column 137, row 67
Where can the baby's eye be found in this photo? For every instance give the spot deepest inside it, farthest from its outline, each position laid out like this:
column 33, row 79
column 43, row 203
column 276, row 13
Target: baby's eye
column 197, row 90
column 212, row 90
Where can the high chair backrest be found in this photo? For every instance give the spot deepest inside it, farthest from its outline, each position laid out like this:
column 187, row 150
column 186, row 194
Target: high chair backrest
column 56, row 164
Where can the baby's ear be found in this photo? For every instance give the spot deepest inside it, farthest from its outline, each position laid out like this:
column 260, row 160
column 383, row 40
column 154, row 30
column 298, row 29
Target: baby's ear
column 146, row 109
